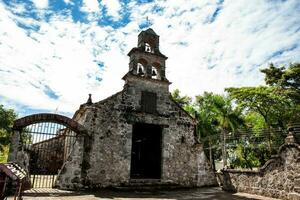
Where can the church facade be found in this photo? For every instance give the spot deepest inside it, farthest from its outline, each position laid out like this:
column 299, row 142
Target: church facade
column 140, row 133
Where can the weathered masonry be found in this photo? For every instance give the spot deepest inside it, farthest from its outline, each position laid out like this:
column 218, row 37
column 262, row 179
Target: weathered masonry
column 278, row 178
column 138, row 135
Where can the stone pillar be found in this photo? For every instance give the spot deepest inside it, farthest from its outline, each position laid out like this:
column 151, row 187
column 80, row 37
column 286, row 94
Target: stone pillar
column 70, row 176
column 16, row 152
column 14, row 146
column 148, row 71
column 162, row 74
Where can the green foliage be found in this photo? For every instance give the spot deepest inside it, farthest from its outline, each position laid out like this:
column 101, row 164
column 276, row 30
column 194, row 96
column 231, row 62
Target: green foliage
column 206, row 116
column 207, row 125
column 274, row 108
column 251, row 119
column 266, row 109
column 287, row 84
column 216, row 116
column 243, row 156
column 4, row 154
column 216, row 112
column 273, row 75
column 287, row 79
column 7, row 117
column 181, row 100
column 255, row 121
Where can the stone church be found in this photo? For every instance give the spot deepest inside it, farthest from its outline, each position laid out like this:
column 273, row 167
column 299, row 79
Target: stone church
column 140, row 133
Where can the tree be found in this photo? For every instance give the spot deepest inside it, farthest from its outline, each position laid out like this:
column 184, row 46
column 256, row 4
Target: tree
column 207, row 124
column 273, row 75
column 229, row 120
column 217, row 115
column 286, row 80
column 267, row 108
column 275, row 109
column 181, row 100
column 250, row 147
column 202, row 111
column 7, row 118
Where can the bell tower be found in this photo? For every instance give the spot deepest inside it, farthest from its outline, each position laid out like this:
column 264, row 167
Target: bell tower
column 146, row 60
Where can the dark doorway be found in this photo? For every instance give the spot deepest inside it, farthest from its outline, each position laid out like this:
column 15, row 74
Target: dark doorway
column 146, row 151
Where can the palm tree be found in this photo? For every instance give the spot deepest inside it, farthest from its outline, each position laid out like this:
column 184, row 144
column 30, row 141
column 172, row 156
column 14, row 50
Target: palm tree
column 229, row 119
column 207, row 123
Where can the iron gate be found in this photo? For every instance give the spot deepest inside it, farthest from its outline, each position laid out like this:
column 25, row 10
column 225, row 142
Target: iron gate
column 47, row 146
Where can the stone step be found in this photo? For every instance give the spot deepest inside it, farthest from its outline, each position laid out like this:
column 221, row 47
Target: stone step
column 148, row 184
column 145, row 181
column 147, row 187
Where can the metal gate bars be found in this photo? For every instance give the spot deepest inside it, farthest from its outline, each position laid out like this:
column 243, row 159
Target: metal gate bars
column 44, row 143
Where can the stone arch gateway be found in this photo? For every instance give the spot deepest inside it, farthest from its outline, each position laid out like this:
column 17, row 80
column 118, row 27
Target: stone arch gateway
column 50, row 147
column 49, row 117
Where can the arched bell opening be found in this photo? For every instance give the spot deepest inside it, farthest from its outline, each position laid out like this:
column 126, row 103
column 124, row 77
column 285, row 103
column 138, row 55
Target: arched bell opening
column 141, row 67
column 149, row 48
column 156, row 71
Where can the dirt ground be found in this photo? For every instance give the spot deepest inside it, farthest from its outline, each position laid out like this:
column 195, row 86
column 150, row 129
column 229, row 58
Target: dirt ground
column 200, row 193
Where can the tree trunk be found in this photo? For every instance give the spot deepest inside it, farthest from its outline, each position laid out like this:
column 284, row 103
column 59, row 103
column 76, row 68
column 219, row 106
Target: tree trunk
column 269, row 140
column 224, row 153
column 268, row 135
column 210, row 154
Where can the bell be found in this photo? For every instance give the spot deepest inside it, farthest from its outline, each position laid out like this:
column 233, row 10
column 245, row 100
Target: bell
column 153, row 73
column 140, row 72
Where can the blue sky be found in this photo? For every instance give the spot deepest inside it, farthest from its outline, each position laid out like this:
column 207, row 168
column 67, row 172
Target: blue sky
column 53, row 53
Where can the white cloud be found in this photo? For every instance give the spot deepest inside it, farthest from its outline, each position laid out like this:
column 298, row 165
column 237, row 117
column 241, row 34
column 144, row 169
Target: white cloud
column 90, row 6
column 56, row 57
column 113, row 8
column 41, row 4
column 68, row 1
column 235, row 45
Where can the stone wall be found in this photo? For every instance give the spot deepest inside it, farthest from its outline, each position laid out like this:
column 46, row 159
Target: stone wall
column 278, row 178
column 110, row 124
column 71, row 175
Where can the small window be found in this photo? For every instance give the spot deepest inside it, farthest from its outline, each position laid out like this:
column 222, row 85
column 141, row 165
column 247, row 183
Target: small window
column 148, row 47
column 148, row 102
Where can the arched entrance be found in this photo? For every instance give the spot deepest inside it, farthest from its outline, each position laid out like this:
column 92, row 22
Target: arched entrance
column 43, row 144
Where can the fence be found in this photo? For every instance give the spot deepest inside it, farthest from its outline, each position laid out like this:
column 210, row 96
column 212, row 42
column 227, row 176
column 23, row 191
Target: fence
column 246, row 148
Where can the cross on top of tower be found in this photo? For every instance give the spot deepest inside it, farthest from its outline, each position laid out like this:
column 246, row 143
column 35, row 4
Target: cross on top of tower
column 148, row 22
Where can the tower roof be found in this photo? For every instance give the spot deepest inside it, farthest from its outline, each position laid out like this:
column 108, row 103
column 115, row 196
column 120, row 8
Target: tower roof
column 150, row 31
